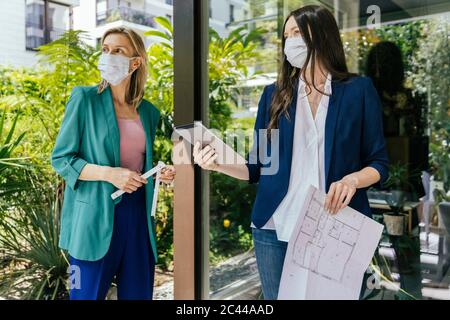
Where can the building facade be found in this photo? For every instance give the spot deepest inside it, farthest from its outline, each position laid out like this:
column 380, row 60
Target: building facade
column 27, row 24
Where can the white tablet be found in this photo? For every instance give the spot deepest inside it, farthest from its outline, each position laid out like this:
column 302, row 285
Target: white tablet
column 198, row 132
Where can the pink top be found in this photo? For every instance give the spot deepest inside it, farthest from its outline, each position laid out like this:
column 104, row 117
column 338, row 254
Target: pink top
column 132, row 144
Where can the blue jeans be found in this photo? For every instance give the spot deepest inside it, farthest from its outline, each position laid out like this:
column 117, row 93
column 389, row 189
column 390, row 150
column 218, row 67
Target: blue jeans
column 129, row 259
column 270, row 253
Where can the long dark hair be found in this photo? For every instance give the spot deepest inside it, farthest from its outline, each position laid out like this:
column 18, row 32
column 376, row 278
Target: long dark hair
column 318, row 23
column 385, row 67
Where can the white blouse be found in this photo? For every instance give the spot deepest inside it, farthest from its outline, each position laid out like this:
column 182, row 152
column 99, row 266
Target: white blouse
column 308, row 164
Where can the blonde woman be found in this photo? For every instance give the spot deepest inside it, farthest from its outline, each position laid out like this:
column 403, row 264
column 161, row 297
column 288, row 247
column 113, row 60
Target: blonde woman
column 105, row 142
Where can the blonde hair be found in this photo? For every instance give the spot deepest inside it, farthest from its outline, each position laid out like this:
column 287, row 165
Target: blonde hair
column 135, row 92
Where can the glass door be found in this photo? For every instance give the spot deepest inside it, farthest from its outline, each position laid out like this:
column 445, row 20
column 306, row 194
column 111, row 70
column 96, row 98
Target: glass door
column 388, row 41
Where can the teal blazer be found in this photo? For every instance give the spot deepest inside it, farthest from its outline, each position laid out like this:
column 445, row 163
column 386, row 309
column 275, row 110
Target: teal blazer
column 89, row 133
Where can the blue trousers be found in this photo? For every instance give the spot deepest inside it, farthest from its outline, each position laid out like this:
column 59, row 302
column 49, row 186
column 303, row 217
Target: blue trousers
column 270, row 253
column 129, row 259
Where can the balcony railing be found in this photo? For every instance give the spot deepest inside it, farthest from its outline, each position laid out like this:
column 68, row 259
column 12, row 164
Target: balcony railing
column 125, row 14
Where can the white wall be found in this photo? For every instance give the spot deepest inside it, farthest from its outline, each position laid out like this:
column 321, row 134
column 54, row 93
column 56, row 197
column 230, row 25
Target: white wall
column 84, row 17
column 12, row 35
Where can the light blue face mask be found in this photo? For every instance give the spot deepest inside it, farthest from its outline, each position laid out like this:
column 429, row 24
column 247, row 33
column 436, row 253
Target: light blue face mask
column 296, row 51
column 114, row 67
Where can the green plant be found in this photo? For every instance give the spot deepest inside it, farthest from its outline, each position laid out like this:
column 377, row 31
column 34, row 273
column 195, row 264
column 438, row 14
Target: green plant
column 39, row 95
column 31, row 263
column 441, row 196
column 7, row 146
column 34, row 267
column 398, row 183
column 430, row 76
column 11, row 166
column 398, row 177
column 159, row 89
column 228, row 64
column 164, row 228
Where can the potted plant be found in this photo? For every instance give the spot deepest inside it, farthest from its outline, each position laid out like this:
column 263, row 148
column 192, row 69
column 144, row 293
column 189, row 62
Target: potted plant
column 395, row 220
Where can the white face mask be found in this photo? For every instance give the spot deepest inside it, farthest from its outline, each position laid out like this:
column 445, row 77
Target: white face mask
column 114, row 67
column 296, row 51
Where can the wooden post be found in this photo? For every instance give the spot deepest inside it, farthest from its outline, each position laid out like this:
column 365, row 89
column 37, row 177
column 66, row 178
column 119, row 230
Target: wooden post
column 191, row 207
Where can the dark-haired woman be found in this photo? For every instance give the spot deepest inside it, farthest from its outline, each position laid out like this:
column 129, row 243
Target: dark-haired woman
column 326, row 126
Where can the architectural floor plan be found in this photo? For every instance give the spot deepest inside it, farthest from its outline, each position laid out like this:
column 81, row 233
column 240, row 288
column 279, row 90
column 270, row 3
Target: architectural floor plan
column 328, row 254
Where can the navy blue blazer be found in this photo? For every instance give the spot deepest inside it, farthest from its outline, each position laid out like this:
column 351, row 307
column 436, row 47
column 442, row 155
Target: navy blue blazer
column 353, row 140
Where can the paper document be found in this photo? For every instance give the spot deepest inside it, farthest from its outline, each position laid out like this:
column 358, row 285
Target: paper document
column 327, row 255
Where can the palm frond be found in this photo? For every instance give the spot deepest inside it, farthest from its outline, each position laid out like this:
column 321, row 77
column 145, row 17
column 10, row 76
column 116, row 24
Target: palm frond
column 37, row 267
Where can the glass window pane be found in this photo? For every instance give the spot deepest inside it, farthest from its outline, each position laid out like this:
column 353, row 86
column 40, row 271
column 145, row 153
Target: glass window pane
column 101, row 10
column 35, row 23
column 239, row 73
column 57, row 20
column 404, row 49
